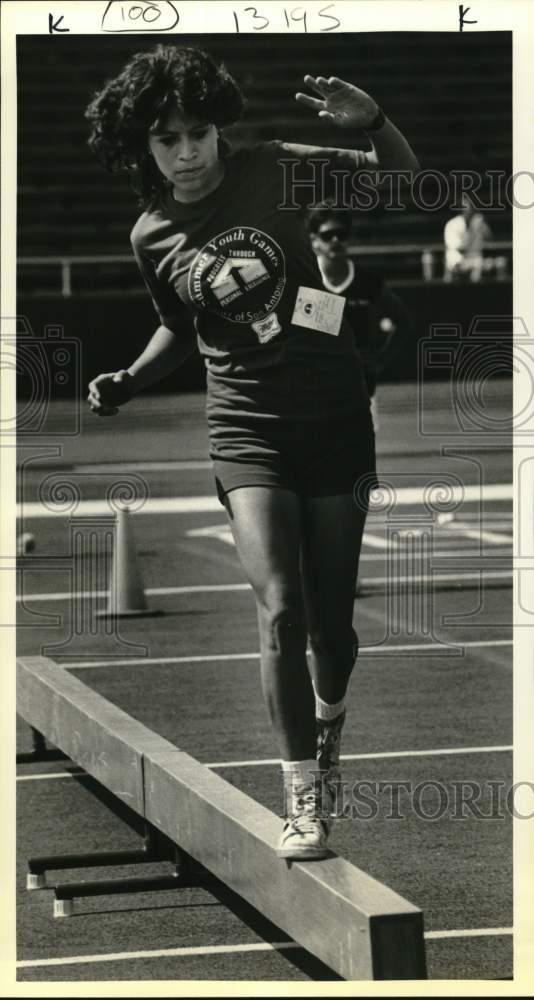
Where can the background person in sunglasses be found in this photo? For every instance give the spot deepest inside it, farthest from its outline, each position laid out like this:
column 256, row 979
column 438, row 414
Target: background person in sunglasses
column 381, row 322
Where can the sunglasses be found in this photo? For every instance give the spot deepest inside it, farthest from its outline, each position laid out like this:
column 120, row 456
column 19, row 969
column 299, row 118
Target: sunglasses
column 327, row 235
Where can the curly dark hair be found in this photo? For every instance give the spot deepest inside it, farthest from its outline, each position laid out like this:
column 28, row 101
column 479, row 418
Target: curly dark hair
column 151, row 85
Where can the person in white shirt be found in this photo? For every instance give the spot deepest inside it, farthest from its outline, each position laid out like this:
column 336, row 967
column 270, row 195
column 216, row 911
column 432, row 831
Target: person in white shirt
column 465, row 236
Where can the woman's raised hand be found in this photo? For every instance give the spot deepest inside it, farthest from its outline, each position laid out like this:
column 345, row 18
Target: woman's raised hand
column 339, row 102
column 108, row 392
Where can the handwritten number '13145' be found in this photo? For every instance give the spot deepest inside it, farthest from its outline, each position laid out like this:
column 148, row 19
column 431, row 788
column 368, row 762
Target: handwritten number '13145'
column 257, row 21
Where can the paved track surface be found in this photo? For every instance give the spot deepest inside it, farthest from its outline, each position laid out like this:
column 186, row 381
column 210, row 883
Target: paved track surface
column 435, row 715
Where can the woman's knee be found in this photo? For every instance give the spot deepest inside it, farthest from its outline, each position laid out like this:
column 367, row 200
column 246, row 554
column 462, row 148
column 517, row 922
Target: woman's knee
column 282, row 619
column 336, row 643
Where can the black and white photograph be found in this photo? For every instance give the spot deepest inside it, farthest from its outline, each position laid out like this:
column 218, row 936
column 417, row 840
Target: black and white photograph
column 267, row 442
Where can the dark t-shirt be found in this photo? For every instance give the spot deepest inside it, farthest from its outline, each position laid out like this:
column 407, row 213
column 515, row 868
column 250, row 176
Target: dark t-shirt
column 361, row 294
column 364, row 291
column 236, row 259
column 366, row 287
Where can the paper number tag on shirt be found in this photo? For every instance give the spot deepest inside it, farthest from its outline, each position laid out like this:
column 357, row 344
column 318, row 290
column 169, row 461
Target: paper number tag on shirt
column 318, row 310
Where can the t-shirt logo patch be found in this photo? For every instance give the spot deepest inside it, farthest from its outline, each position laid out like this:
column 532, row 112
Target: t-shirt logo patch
column 239, row 275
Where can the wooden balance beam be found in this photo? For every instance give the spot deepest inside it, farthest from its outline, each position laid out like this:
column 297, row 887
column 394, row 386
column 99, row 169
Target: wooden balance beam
column 354, row 924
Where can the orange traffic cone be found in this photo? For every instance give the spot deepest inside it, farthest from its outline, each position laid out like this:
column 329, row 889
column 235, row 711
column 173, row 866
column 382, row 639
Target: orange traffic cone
column 126, row 595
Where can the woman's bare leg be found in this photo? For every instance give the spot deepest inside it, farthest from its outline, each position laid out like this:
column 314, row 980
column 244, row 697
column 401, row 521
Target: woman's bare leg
column 266, row 525
column 332, row 530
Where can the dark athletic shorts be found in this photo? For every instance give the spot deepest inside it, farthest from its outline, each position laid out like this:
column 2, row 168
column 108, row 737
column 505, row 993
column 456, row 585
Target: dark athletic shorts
column 308, row 429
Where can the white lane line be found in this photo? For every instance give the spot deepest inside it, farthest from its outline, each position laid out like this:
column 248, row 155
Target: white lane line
column 434, row 578
column 67, row 595
column 469, row 932
column 501, row 520
column 223, row 533
column 268, row 761
column 220, row 531
column 372, row 756
column 440, row 553
column 480, row 535
column 231, row 949
column 168, row 466
column 506, row 517
column 469, row 643
column 149, row 661
column 152, row 505
column 384, row 542
column 384, row 649
column 459, row 576
column 171, row 464
column 184, row 952
column 376, row 541
column 207, row 504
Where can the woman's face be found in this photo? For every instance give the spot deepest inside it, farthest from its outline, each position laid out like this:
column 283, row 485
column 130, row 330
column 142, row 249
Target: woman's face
column 185, row 151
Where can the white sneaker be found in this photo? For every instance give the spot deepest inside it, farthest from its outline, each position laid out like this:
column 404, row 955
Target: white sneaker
column 306, row 829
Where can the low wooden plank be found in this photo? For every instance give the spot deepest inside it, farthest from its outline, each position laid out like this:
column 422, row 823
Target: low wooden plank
column 107, row 742
column 353, row 923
